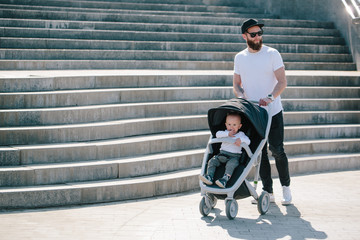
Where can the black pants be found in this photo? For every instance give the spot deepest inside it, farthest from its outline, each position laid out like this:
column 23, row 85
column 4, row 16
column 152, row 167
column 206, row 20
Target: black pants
column 276, row 146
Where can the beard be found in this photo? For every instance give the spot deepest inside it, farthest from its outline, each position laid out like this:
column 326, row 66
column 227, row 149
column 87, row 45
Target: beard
column 253, row 45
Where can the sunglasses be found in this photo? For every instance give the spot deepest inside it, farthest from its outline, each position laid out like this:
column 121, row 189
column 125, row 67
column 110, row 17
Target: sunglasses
column 253, row 34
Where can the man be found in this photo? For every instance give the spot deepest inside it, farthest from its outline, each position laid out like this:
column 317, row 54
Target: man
column 259, row 75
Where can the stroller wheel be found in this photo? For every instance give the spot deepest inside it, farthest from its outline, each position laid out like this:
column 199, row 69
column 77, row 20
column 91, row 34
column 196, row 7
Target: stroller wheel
column 213, row 200
column 231, row 208
column 263, row 202
column 204, row 208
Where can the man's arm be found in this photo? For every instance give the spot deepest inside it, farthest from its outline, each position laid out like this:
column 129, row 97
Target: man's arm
column 237, row 87
column 282, row 82
column 279, row 87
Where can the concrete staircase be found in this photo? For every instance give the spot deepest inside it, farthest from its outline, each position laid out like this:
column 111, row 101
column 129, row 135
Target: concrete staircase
column 80, row 136
column 53, row 34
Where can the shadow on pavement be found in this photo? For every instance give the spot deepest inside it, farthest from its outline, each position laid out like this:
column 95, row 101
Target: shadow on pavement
column 273, row 225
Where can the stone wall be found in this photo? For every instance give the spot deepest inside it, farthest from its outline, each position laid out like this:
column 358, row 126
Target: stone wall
column 321, row 10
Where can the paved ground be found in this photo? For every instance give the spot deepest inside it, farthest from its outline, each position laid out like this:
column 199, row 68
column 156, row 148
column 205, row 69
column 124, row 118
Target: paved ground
column 326, row 206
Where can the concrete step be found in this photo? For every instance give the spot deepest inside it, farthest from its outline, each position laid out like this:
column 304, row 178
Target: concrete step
column 310, row 57
column 132, row 188
column 151, row 144
column 32, row 81
column 125, row 128
column 322, row 146
column 320, row 104
column 151, row 18
column 40, row 174
column 101, row 130
column 160, row 36
column 67, row 98
column 98, row 191
column 321, row 92
column 61, row 54
column 95, row 170
column 99, row 113
column 320, row 66
column 294, row 133
column 181, row 2
column 116, row 64
column 336, row 135
column 46, row 43
column 195, row 2
column 159, row 27
column 321, row 117
column 67, row 80
column 85, row 114
column 208, row 11
column 113, row 148
column 85, row 6
column 156, row 64
column 318, row 78
column 111, row 96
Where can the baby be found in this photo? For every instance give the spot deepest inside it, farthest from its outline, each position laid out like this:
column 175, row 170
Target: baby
column 229, row 152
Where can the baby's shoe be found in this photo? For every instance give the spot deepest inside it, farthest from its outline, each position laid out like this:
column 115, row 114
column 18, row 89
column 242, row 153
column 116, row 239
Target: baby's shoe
column 207, row 179
column 221, row 182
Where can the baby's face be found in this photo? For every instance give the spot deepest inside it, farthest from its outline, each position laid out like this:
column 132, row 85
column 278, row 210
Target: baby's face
column 233, row 124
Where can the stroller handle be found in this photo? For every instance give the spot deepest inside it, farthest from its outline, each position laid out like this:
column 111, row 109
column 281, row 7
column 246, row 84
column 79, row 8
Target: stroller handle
column 256, row 102
column 252, row 101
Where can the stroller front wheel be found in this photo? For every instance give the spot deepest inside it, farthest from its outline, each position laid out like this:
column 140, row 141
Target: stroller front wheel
column 212, row 199
column 231, row 208
column 204, row 208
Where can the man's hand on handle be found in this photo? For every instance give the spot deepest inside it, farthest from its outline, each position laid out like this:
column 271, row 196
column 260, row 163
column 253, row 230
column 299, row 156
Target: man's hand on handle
column 264, row 101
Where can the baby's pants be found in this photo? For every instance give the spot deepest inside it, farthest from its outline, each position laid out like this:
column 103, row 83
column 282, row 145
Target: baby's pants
column 230, row 159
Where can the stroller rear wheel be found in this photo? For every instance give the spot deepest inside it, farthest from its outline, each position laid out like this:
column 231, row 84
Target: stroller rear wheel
column 204, row 208
column 231, row 208
column 263, row 202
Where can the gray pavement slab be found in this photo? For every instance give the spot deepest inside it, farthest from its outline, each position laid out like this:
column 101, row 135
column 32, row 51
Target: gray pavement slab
column 325, row 206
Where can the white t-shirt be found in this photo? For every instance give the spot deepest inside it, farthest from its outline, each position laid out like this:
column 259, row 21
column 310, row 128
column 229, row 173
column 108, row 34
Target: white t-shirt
column 231, row 147
column 257, row 74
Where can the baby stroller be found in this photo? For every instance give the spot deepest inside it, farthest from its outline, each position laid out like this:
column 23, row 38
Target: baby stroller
column 256, row 125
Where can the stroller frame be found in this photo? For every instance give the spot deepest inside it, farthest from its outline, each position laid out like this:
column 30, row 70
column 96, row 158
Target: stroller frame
column 209, row 201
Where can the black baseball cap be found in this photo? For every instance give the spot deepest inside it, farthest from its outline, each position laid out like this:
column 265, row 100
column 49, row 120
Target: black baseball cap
column 250, row 23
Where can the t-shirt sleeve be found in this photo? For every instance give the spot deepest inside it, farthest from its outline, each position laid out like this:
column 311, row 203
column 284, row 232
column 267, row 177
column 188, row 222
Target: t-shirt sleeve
column 236, row 65
column 244, row 138
column 277, row 60
column 222, row 134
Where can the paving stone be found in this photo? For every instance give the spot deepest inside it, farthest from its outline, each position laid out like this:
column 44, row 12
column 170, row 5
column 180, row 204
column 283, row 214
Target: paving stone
column 325, row 206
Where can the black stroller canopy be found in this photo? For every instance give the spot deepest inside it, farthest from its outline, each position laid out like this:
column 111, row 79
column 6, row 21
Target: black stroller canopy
column 253, row 114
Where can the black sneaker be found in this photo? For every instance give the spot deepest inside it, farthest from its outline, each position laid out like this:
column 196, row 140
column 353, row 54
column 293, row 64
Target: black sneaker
column 221, row 182
column 206, row 179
